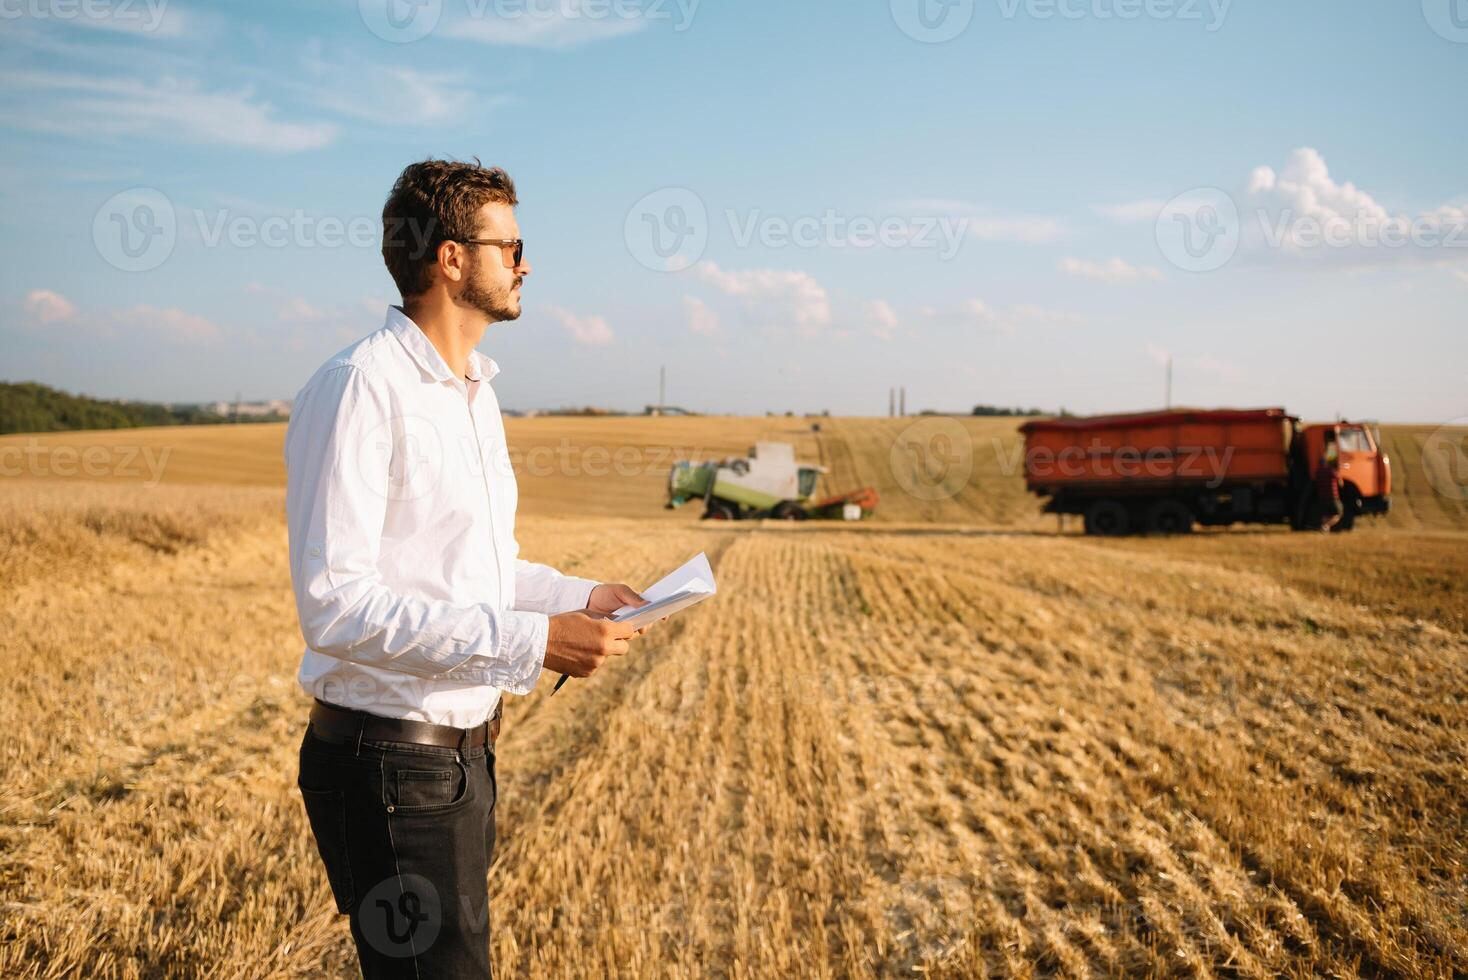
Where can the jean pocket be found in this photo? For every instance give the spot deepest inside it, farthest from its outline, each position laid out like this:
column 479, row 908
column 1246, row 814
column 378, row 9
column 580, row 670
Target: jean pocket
column 411, row 788
column 327, row 812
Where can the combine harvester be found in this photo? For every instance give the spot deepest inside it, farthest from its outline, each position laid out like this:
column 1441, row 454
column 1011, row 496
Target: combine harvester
column 1163, row 472
column 766, row 483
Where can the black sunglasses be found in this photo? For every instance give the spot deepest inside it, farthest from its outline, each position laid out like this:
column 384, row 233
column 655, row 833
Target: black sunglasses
column 519, row 244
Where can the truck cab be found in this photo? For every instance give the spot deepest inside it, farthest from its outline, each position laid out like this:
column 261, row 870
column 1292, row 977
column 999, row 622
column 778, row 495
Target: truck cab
column 1366, row 472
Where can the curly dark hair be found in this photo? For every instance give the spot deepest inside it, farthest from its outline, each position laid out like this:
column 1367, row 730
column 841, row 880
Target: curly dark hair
column 433, row 202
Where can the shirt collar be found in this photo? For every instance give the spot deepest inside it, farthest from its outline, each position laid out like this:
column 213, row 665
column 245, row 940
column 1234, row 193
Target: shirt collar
column 418, row 346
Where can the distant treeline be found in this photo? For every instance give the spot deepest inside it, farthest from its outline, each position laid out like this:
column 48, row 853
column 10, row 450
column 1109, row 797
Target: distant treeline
column 32, row 407
column 1002, row 410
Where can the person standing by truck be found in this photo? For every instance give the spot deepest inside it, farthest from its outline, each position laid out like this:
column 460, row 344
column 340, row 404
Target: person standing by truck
column 1328, row 487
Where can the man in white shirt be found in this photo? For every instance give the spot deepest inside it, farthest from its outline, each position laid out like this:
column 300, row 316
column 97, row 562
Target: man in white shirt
column 418, row 612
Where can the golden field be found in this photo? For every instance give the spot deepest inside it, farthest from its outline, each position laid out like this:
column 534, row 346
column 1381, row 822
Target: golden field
column 951, row 742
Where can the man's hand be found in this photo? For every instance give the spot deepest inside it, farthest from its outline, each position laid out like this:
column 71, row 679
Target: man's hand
column 608, row 597
column 578, row 642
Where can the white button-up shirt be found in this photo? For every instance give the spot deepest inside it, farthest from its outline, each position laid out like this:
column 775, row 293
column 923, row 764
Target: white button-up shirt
column 400, row 498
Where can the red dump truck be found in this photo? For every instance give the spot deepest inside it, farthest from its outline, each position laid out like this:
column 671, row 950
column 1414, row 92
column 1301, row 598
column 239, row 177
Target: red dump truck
column 1165, row 471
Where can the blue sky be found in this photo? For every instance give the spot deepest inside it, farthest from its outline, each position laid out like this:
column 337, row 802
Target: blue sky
column 1002, row 216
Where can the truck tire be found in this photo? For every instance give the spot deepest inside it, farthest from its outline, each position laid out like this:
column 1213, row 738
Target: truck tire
column 1108, row 518
column 1169, row 517
column 788, row 510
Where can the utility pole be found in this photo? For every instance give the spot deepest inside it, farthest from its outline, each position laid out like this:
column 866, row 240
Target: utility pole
column 1167, row 389
column 662, row 388
column 891, row 402
column 902, row 401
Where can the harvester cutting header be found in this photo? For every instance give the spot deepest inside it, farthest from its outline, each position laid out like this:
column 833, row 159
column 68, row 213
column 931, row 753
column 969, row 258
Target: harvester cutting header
column 766, row 483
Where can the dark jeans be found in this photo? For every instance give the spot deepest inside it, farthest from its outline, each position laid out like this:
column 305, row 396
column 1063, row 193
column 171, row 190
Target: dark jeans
column 406, row 833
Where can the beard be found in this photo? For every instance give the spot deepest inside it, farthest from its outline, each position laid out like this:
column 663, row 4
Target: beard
column 497, row 302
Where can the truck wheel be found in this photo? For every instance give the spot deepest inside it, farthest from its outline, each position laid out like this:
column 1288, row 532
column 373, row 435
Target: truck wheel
column 1169, row 517
column 1107, row 517
column 717, row 510
column 788, row 510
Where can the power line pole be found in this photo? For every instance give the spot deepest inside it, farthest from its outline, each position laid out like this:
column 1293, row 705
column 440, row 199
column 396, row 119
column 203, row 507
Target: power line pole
column 902, row 401
column 891, row 402
column 1167, row 388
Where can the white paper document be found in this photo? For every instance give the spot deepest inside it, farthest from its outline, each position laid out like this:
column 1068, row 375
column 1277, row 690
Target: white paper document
column 691, row 583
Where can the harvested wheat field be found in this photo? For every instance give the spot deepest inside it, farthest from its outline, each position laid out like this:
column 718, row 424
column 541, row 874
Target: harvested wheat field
column 949, row 743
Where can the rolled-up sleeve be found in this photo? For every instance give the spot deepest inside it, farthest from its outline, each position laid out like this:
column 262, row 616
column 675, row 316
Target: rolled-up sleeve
column 339, row 484
column 542, row 589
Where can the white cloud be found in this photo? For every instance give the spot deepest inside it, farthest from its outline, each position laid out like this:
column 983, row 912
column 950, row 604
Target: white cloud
column 587, row 328
column 564, row 24
column 170, row 110
column 170, row 322
column 774, row 294
column 1132, row 212
column 1009, row 320
column 1301, row 209
column 882, row 318
column 701, row 319
column 44, row 306
column 339, row 81
column 1112, row 270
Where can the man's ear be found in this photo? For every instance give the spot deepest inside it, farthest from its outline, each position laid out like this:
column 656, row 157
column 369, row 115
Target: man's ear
column 451, row 260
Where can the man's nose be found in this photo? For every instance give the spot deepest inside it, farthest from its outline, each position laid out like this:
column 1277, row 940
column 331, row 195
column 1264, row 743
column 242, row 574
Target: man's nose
column 523, row 269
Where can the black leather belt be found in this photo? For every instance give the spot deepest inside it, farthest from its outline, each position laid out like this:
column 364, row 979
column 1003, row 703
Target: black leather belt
column 337, row 724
